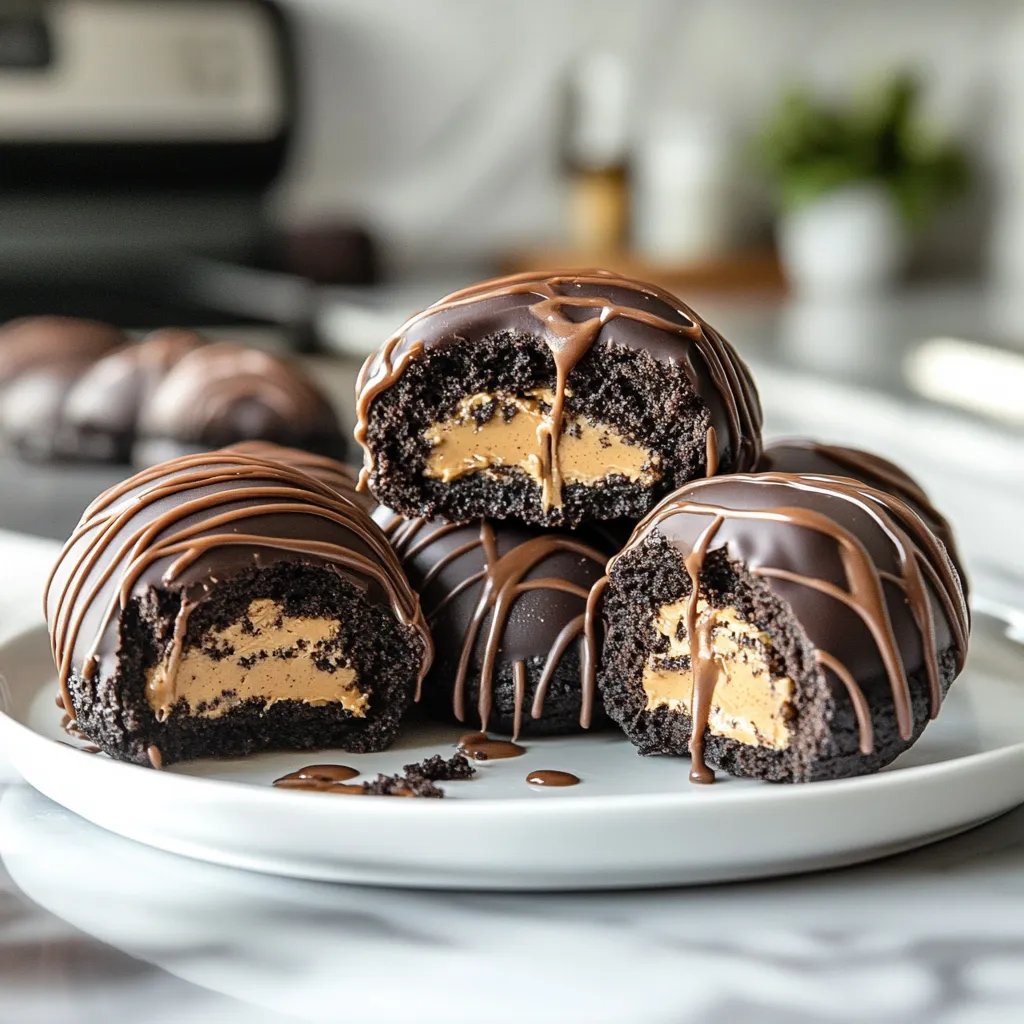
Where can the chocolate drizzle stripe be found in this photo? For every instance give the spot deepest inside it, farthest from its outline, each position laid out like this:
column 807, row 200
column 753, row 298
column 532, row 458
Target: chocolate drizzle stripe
column 857, row 699
column 912, row 541
column 703, row 666
column 452, row 594
column 519, row 693
column 568, row 341
column 897, row 677
column 571, row 631
column 711, row 450
column 113, row 512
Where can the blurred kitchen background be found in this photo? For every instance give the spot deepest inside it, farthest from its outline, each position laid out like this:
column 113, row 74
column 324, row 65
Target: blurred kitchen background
column 838, row 186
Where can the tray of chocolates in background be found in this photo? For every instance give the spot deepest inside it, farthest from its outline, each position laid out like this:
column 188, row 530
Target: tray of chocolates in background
column 568, row 547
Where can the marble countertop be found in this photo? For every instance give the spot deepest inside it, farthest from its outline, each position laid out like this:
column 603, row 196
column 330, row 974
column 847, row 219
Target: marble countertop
column 94, row 928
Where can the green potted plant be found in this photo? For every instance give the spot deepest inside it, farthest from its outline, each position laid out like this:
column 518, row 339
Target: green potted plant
column 852, row 182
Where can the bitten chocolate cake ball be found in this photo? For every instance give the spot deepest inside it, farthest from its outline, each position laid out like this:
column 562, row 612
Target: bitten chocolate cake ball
column 40, row 359
column 103, row 407
column 507, row 605
column 808, row 625
column 220, row 604
column 801, row 455
column 554, row 398
column 223, row 393
column 334, row 474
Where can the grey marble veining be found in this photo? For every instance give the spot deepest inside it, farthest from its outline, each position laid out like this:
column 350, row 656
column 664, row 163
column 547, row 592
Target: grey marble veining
column 932, row 936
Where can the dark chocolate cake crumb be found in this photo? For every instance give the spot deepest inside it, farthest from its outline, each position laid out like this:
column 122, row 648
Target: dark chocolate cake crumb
column 437, row 769
column 402, row 785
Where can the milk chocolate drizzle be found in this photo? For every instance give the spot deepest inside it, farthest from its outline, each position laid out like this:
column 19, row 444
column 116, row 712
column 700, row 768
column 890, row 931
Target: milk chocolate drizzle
column 503, row 580
column 569, row 340
column 711, row 446
column 870, row 469
column 546, row 777
column 93, row 574
column 480, row 747
column 923, row 567
column 321, row 467
column 318, row 777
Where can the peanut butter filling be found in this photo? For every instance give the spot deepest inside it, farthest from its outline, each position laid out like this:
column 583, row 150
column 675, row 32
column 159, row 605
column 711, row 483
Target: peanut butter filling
column 749, row 704
column 512, row 437
column 267, row 656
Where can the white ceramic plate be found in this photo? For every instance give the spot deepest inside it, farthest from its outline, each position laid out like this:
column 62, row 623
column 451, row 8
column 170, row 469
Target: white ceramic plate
column 632, row 822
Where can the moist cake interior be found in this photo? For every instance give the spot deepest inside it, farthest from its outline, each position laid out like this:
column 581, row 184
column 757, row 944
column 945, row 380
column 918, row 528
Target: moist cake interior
column 290, row 656
column 457, row 434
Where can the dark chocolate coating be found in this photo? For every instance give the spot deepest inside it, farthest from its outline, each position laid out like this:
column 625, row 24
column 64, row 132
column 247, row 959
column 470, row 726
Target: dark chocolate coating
column 223, row 393
column 449, row 566
column 334, row 474
column 761, row 542
column 102, row 408
column 801, row 455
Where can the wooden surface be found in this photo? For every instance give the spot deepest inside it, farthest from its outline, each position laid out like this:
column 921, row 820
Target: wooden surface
column 751, row 273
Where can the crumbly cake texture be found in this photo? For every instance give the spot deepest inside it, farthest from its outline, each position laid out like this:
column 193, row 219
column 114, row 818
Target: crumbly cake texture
column 403, row 786
column 824, row 726
column 437, row 769
column 651, row 403
column 114, row 712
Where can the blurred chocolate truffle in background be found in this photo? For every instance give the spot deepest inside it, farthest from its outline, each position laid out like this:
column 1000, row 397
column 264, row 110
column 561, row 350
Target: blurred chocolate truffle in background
column 102, row 408
column 40, row 359
column 220, row 394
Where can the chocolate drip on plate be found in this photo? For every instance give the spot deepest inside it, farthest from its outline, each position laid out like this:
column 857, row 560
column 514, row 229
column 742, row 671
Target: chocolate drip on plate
column 547, row 777
column 320, row 773
column 480, row 747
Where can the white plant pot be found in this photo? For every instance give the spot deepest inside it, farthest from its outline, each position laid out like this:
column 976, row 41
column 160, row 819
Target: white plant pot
column 849, row 241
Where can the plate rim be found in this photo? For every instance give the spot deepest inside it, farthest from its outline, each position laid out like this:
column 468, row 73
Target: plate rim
column 581, row 804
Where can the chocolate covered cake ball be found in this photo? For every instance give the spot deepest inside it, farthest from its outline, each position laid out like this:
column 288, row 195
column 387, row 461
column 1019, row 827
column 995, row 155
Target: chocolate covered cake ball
column 507, row 605
column 220, row 604
column 40, row 359
column 103, row 406
column 555, row 398
column 801, row 455
column 782, row 627
column 223, row 393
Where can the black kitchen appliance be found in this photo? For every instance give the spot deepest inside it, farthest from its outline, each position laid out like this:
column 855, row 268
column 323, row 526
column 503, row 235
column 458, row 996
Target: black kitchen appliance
column 137, row 141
